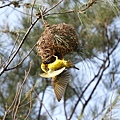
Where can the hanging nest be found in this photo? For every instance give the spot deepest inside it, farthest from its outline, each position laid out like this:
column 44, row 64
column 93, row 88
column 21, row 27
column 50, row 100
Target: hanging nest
column 56, row 40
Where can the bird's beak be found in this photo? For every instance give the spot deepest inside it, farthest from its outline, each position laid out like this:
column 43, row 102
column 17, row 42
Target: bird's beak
column 76, row 68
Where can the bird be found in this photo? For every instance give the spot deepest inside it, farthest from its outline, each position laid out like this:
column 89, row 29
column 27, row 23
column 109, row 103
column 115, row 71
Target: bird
column 57, row 67
column 59, row 74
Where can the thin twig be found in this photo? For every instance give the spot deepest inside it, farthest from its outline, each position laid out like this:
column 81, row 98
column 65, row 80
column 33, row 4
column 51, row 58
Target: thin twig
column 42, row 104
column 42, row 14
column 64, row 104
column 100, row 71
column 84, row 92
column 20, row 45
column 4, row 68
column 11, row 53
column 99, row 79
column 53, row 6
column 16, row 102
column 40, row 108
column 111, row 98
column 20, row 11
column 15, row 3
column 88, row 5
column 6, row 5
column 18, row 35
column 29, row 108
column 56, row 13
column 20, row 92
column 32, row 10
column 22, row 59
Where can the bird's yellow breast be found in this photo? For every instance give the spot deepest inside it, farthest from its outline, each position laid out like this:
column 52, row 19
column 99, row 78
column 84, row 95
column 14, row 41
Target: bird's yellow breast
column 56, row 65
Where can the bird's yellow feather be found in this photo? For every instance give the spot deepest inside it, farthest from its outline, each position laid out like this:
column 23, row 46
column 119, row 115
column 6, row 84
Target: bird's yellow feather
column 52, row 73
column 57, row 64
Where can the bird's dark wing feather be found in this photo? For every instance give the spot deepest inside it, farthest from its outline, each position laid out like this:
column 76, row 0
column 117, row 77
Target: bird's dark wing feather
column 60, row 83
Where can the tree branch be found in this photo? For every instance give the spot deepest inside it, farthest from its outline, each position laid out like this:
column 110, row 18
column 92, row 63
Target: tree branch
column 101, row 70
column 20, row 45
column 4, row 67
column 22, row 59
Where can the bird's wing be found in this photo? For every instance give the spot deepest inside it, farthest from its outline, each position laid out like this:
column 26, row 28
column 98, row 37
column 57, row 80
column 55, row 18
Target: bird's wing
column 60, row 83
column 52, row 73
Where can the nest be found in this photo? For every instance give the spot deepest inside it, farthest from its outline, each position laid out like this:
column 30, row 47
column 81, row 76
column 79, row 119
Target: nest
column 56, row 40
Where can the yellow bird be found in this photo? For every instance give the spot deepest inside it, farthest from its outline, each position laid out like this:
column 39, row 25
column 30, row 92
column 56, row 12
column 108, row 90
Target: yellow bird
column 57, row 64
column 60, row 76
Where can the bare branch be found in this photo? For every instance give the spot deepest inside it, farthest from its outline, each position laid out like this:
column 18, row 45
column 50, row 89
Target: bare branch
column 42, row 104
column 6, row 5
column 100, row 73
column 4, row 67
column 53, row 6
column 15, row 3
column 22, row 59
column 40, row 108
column 30, row 97
column 32, row 10
column 20, row 45
column 87, row 6
column 16, row 102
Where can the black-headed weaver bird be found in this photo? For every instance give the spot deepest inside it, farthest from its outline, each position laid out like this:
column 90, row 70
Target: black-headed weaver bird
column 59, row 73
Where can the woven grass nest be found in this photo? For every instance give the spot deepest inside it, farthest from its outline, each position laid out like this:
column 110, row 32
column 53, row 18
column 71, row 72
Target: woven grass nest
column 56, row 40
